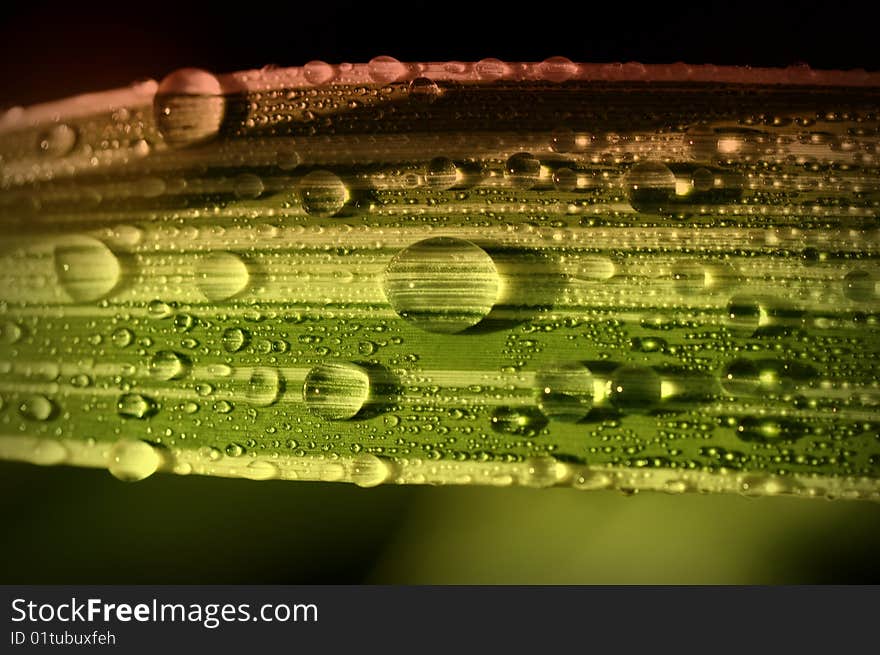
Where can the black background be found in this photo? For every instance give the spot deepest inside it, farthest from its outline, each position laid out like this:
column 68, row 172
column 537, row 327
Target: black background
column 54, row 49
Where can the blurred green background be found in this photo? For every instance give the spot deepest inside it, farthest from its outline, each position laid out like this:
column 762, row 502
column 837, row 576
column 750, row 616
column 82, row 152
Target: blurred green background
column 68, row 525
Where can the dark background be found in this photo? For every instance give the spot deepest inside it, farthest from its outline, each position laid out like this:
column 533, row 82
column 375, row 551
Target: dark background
column 54, row 49
column 70, row 525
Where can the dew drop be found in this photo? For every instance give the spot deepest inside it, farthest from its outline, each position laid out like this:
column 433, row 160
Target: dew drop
column 264, row 386
column 260, row 470
column 168, row 365
column 592, row 268
column 442, row 285
column 48, row 452
column 491, row 69
column 650, row 185
column 860, row 286
column 234, row 339
column 544, row 472
column 369, row 471
column 442, row 173
column 635, row 388
column 57, row 141
column 221, row 275
column 159, row 309
column 425, row 90
column 557, row 69
column 385, row 70
column 565, row 393
column 189, row 107
column 322, row 193
column 10, row 332
column 131, row 460
column 565, row 179
column 86, row 268
column 248, row 185
column 318, row 72
column 135, row 405
column 336, row 391
column 520, row 421
column 37, row 407
column 523, row 170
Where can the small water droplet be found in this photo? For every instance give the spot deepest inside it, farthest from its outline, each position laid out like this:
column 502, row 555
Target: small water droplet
column 221, row 275
column 159, row 309
column 10, row 332
column 336, row 391
column 442, row 285
column 48, row 452
column 248, row 185
column 261, row 470
column 441, row 173
column 322, row 193
column 131, row 460
column 57, row 141
column 557, row 69
column 234, row 450
column 86, row 268
column 544, row 472
column 318, row 72
column 423, row 89
column 520, row 421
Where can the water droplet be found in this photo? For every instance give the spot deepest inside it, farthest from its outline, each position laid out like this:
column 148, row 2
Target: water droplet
column 135, row 405
column 131, row 460
column 234, row 450
column 635, row 388
column 264, row 386
column 168, row 365
column 557, row 69
column 221, row 275
column 650, row 185
column 491, row 69
column 159, row 309
column 523, row 169
column 592, row 268
column 122, row 337
column 189, row 107
column 86, row 268
column 441, row 173
column 248, row 185
column 48, row 452
column 860, row 286
column 769, row 429
column 261, row 470
column 10, row 332
column 423, row 89
column 703, row 179
column 741, row 378
column 322, row 193
column 544, row 472
column 385, row 70
column 442, row 285
column 287, row 159
column 318, row 72
column 57, row 141
column 369, row 471
column 565, row 179
column 565, row 393
column 520, row 421
column 36, row 407
column 234, row 339
column 336, row 391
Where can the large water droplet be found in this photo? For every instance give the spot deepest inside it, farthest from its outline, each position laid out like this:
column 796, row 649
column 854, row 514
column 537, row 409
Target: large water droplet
column 131, row 460
column 57, row 141
column 322, row 193
column 336, row 391
column 650, row 185
column 635, row 388
column 234, row 339
column 860, row 286
column 86, row 268
column 369, row 471
column 442, row 173
column 36, row 407
column 135, row 405
column 168, row 365
column 442, row 284
column 248, row 185
column 48, row 452
column 557, row 69
column 189, row 107
column 221, row 275
column 520, row 421
column 385, row 70
column 565, row 393
column 318, row 72
column 425, row 90
column 264, row 386
column 10, row 332
column 523, row 169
